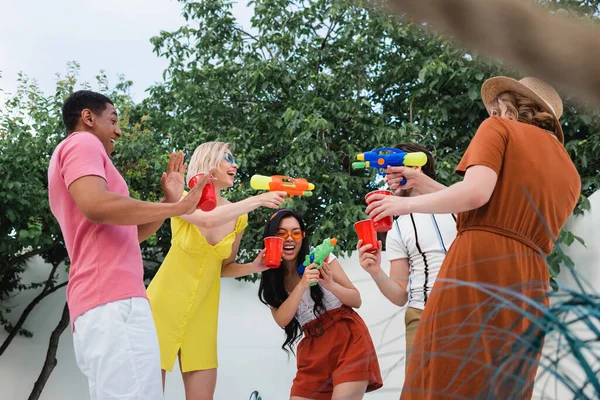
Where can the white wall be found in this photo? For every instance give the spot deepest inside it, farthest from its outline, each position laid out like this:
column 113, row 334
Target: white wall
column 586, row 258
column 250, row 354
column 249, row 340
column 587, row 262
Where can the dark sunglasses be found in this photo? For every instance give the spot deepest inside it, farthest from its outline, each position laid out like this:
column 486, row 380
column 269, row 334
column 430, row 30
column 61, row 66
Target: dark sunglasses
column 230, row 159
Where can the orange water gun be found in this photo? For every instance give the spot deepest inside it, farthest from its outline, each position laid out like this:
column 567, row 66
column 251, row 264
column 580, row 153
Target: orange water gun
column 292, row 186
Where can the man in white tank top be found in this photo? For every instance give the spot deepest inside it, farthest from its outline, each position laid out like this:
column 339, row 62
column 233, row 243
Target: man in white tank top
column 416, row 247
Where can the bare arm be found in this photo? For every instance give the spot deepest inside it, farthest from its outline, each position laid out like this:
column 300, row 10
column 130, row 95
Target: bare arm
column 339, row 284
column 427, row 185
column 393, row 287
column 286, row 312
column 148, row 229
column 99, row 205
column 473, row 192
column 415, row 178
column 221, row 214
column 231, row 269
column 229, row 212
column 172, row 184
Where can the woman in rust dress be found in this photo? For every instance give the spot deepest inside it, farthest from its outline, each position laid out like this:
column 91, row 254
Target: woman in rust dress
column 480, row 336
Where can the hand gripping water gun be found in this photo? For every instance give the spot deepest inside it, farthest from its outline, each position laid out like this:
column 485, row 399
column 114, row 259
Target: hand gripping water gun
column 396, row 158
column 317, row 256
column 293, row 187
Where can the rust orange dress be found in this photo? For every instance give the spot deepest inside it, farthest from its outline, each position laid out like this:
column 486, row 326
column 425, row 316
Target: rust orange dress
column 476, row 339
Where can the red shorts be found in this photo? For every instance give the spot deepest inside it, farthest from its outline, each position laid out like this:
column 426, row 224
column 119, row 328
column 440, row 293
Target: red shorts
column 336, row 348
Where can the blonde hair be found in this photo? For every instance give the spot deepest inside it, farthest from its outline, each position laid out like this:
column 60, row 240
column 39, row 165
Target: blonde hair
column 523, row 109
column 206, row 156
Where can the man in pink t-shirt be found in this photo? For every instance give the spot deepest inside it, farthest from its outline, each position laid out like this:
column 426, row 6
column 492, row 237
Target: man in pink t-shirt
column 114, row 335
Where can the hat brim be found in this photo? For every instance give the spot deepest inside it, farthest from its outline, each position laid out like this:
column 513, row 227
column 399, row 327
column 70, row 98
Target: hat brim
column 492, row 87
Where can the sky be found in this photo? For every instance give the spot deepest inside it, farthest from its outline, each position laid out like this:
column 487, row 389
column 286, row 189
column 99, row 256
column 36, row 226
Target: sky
column 40, row 37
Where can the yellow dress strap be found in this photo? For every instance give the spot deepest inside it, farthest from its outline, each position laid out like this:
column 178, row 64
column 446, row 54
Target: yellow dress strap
column 241, row 224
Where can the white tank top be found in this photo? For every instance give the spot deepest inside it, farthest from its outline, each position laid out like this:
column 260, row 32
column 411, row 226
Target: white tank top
column 305, row 312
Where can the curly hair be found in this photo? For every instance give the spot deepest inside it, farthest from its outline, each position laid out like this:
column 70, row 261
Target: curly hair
column 522, row 109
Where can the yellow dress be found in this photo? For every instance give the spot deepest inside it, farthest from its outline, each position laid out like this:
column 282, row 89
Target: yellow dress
column 184, row 296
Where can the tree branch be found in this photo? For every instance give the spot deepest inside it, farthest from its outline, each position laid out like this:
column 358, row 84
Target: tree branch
column 243, row 32
column 51, row 360
column 48, row 289
column 324, row 42
column 25, row 256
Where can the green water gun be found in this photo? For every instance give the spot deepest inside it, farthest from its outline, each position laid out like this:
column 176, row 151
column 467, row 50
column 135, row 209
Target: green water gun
column 317, row 256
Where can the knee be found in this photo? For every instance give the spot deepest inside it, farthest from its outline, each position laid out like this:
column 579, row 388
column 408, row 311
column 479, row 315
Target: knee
column 200, row 385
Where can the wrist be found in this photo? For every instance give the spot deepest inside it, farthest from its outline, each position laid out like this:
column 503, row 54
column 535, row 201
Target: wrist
column 170, row 199
column 302, row 286
column 409, row 205
column 377, row 272
column 253, row 202
column 254, row 268
column 171, row 209
column 329, row 286
column 420, row 181
column 424, row 184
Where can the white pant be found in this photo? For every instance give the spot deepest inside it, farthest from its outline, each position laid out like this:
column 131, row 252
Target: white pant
column 116, row 347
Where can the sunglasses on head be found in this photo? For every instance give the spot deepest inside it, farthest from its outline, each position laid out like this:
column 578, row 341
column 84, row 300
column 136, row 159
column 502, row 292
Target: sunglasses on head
column 230, row 159
column 277, row 212
column 296, row 235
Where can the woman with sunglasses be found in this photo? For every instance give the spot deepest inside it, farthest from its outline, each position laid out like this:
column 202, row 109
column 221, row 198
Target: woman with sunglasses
column 184, row 294
column 336, row 358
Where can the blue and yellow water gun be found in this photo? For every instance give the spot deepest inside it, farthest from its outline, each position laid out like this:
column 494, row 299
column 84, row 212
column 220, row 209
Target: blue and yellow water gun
column 396, row 158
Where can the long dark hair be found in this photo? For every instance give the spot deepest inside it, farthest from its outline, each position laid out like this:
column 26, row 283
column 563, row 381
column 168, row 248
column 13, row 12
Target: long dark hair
column 271, row 290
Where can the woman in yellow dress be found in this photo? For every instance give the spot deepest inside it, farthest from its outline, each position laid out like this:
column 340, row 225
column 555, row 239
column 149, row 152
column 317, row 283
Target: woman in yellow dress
column 184, row 294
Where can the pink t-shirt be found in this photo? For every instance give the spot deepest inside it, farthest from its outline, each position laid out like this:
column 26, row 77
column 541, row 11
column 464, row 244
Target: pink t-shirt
column 106, row 260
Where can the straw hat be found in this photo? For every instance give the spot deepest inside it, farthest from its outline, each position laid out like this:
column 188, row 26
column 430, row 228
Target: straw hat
column 532, row 88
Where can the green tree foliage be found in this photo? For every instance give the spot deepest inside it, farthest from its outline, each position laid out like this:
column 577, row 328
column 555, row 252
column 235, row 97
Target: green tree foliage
column 312, row 84
column 309, row 86
column 30, row 128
